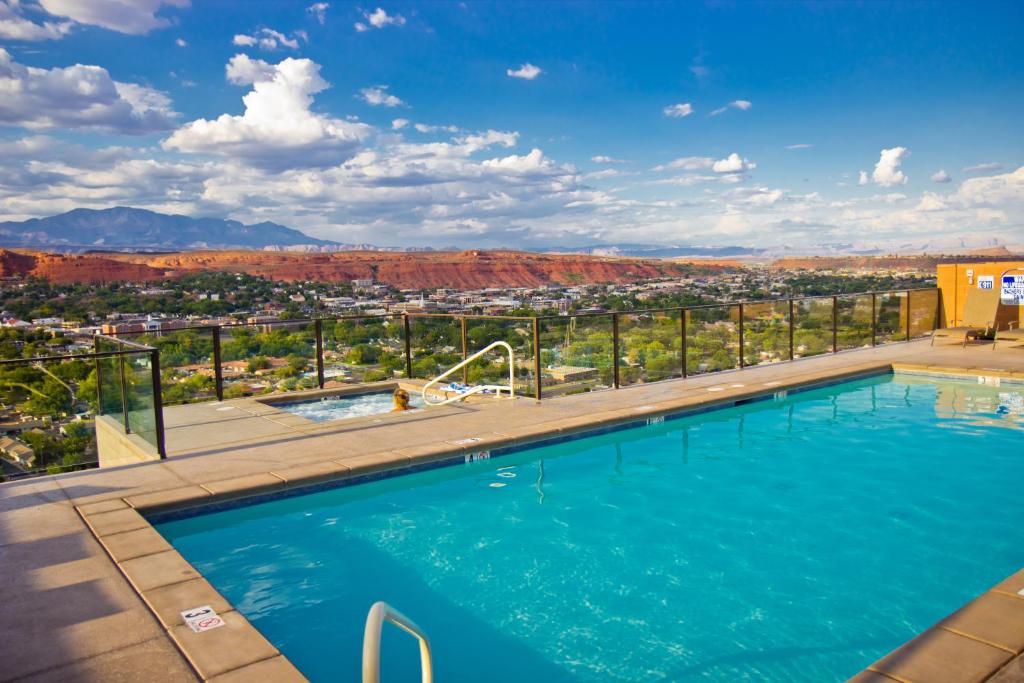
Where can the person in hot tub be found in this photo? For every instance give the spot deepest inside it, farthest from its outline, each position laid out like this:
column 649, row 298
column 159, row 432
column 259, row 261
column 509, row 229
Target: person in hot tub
column 401, row 397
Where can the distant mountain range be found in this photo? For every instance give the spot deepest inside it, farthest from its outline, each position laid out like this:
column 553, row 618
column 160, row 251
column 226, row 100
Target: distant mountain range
column 126, row 229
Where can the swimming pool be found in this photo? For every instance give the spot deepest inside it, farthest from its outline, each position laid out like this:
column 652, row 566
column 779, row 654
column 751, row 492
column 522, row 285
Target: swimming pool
column 346, row 406
column 796, row 539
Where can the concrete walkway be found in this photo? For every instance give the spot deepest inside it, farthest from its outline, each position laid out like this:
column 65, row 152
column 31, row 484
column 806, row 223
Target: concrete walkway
column 70, row 612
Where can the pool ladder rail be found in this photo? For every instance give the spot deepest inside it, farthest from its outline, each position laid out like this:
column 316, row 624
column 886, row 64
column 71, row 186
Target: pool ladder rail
column 379, row 613
column 496, row 388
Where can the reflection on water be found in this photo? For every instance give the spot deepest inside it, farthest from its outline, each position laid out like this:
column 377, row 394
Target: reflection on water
column 980, row 404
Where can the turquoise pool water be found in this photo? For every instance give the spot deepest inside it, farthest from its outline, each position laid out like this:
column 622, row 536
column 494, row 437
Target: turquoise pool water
column 342, row 407
column 784, row 540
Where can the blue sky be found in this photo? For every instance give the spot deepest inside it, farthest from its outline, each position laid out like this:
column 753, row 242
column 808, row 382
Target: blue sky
column 889, row 125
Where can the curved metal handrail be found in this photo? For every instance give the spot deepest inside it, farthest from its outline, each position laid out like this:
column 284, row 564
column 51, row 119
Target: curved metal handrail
column 497, row 388
column 379, row 613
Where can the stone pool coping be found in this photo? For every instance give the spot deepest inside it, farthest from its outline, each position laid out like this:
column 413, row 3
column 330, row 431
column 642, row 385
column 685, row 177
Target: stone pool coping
column 167, row 584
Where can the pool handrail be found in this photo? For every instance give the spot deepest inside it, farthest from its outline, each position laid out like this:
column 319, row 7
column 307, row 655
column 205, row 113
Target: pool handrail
column 497, row 388
column 379, row 613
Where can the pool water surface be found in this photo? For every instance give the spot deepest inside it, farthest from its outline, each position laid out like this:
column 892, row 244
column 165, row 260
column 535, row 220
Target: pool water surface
column 795, row 539
column 346, row 406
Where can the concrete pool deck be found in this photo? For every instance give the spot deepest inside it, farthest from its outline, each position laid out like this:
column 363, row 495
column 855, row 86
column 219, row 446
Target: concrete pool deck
column 99, row 592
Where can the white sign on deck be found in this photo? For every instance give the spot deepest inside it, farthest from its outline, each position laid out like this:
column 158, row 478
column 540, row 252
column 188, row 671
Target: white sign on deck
column 1012, row 291
column 203, row 618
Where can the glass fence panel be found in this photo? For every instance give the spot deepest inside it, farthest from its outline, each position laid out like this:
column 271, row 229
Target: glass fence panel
column 139, row 385
column 108, row 380
column 766, row 332
column 48, row 417
column 186, row 363
column 890, row 317
column 812, row 327
column 492, row 368
column 274, row 357
column 853, row 321
column 436, row 345
column 370, row 349
column 924, row 308
column 576, row 354
column 712, row 339
column 650, row 346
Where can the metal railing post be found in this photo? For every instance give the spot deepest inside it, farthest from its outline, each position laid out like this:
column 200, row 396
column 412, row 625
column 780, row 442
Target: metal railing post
column 908, row 316
column 158, row 403
column 99, row 377
column 408, row 345
column 218, row 371
column 835, row 319
column 792, row 325
column 465, row 349
column 318, row 331
column 615, row 350
column 124, row 395
column 536, row 359
column 874, row 320
column 743, row 360
column 682, row 344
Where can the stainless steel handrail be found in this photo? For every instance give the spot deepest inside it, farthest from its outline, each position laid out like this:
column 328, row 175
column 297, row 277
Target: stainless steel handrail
column 379, row 613
column 497, row 388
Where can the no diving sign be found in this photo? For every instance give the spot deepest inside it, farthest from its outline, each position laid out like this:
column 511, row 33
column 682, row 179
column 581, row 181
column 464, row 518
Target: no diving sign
column 201, row 619
column 1012, row 290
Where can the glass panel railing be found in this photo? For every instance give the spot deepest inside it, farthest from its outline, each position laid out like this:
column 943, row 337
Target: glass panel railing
column 650, row 346
column 139, row 385
column 187, row 371
column 47, row 417
column 436, row 345
column 712, row 339
column 492, row 368
column 812, row 327
column 108, row 380
column 890, row 317
column 766, row 332
column 853, row 321
column 576, row 354
column 273, row 357
column 924, row 308
column 369, row 349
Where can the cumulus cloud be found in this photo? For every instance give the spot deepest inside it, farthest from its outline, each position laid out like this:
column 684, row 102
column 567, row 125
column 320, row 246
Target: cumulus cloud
column 378, row 96
column 319, row 10
column 602, row 159
column 181, row 42
column 733, row 163
column 983, row 168
column 425, row 128
column 379, row 19
column 742, row 105
column 269, row 39
column 526, row 72
column 277, row 129
column 399, row 124
column 136, row 17
column 941, row 176
column 887, row 171
column 678, row 111
column 14, row 26
column 80, row 97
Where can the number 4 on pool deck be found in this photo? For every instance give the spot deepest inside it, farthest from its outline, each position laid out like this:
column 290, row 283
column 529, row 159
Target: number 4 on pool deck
column 201, row 619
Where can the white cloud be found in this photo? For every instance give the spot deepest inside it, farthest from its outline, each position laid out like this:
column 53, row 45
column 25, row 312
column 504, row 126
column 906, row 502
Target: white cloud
column 424, row 128
column 602, row 159
column 686, row 164
column 378, row 96
column 733, row 164
column 941, row 176
column 800, row 145
column 319, row 10
column 862, row 178
column 79, row 97
column 277, row 130
column 269, row 39
column 181, row 42
column 742, row 105
column 678, row 111
column 136, row 17
column 14, row 26
column 983, row 168
column 526, row 71
column 887, row 171
column 399, row 124
column 379, row 19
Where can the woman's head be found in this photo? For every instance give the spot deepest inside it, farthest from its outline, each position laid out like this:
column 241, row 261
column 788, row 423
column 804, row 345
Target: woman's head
column 401, row 398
